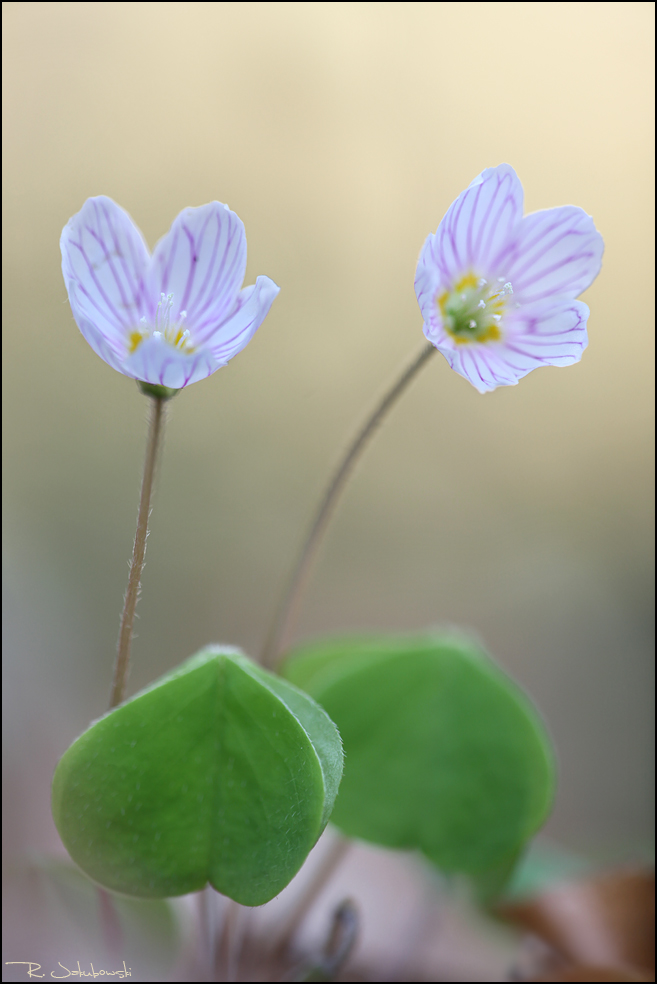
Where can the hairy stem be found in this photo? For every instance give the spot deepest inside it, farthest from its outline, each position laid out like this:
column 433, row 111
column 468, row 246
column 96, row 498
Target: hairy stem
column 154, row 443
column 286, row 613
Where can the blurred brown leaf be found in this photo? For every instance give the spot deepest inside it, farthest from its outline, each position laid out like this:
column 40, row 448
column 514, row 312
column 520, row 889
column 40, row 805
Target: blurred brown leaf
column 602, row 922
column 586, row 972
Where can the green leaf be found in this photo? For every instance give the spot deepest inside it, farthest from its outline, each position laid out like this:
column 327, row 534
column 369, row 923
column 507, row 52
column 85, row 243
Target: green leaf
column 218, row 772
column 443, row 752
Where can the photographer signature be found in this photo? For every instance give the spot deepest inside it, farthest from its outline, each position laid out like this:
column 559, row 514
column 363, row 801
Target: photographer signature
column 33, row 968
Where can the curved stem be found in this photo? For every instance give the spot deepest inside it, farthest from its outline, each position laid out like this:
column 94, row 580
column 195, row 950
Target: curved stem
column 154, row 442
column 287, row 610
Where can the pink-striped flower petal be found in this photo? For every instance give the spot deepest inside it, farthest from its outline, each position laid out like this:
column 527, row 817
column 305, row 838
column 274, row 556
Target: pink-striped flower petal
column 478, row 224
column 251, row 309
column 430, row 279
column 538, row 335
column 104, row 262
column 201, row 261
column 158, row 363
column 106, row 344
column 546, row 334
column 555, row 252
column 170, row 319
column 497, row 291
column 486, row 369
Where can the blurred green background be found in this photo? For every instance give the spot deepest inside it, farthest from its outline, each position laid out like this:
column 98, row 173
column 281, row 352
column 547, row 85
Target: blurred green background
column 340, row 133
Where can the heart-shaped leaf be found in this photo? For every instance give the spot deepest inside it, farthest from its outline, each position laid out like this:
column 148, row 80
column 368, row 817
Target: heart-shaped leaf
column 219, row 772
column 443, row 752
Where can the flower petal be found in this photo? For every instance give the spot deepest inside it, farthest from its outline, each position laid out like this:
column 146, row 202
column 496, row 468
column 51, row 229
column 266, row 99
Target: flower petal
column 104, row 262
column 476, row 227
column 158, row 363
column 546, row 334
column 109, row 348
column 554, row 253
column 201, row 261
column 429, row 279
column 238, row 329
column 535, row 335
column 482, row 365
column 488, row 368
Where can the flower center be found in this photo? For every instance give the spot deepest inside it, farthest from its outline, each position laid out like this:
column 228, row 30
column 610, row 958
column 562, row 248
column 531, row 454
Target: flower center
column 473, row 309
column 173, row 332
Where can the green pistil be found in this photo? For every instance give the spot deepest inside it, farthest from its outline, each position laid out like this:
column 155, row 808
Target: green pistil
column 473, row 310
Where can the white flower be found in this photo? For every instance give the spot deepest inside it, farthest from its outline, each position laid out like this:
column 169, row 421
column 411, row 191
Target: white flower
column 168, row 319
column 497, row 291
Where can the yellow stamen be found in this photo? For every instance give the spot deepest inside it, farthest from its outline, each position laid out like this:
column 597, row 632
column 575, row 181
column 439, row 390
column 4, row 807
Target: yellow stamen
column 174, row 333
column 135, row 338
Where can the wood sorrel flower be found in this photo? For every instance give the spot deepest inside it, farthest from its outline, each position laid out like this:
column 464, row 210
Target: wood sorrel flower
column 168, row 319
column 497, row 291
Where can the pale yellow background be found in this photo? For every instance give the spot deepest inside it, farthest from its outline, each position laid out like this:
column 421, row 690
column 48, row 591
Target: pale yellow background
column 339, row 133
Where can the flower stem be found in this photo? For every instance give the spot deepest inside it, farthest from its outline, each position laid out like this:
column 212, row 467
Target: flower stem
column 327, row 866
column 154, row 442
column 229, row 944
column 286, row 613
